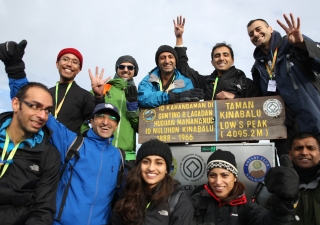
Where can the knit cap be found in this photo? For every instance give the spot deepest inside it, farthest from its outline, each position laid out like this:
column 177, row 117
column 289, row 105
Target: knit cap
column 155, row 147
column 166, row 48
column 71, row 51
column 222, row 159
column 130, row 59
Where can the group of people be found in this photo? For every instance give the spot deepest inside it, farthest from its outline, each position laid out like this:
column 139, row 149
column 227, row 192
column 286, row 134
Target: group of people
column 69, row 156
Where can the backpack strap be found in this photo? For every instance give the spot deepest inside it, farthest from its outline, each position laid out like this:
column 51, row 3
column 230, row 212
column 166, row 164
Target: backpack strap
column 121, row 170
column 240, row 82
column 242, row 214
column 173, row 200
column 71, row 152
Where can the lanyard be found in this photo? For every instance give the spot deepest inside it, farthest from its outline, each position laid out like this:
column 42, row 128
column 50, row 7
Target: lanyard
column 168, row 89
column 215, row 86
column 57, row 109
column 10, row 157
column 148, row 205
column 270, row 69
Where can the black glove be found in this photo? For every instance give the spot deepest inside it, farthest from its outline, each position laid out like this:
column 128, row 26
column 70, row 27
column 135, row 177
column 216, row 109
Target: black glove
column 131, row 93
column 11, row 55
column 284, row 183
column 193, row 95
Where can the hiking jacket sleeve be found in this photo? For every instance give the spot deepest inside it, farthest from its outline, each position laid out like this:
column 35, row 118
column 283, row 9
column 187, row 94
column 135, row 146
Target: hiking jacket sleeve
column 313, row 52
column 44, row 206
column 198, row 80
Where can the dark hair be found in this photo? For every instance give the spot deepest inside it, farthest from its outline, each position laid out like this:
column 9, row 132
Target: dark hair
column 21, row 94
column 252, row 21
column 237, row 190
column 222, row 44
column 136, row 196
column 303, row 135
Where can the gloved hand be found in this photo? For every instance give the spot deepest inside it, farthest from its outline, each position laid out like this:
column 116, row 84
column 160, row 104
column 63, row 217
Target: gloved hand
column 11, row 55
column 131, row 93
column 192, row 95
column 284, row 183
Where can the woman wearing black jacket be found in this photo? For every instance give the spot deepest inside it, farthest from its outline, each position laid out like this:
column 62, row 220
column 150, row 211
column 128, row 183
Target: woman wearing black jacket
column 150, row 195
column 222, row 201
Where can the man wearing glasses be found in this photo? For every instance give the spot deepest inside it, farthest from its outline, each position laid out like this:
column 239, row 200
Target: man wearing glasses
column 122, row 93
column 72, row 104
column 94, row 169
column 29, row 164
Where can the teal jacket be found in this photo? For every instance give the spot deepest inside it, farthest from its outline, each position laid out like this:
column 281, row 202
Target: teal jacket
column 125, row 135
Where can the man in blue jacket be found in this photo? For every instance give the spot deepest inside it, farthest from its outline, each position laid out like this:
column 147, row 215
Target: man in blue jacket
column 288, row 66
column 165, row 84
column 94, row 169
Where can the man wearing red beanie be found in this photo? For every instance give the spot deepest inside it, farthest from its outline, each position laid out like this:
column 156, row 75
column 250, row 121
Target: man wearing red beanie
column 72, row 105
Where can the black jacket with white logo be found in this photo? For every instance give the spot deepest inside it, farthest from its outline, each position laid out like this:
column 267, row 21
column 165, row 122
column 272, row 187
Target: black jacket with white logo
column 28, row 187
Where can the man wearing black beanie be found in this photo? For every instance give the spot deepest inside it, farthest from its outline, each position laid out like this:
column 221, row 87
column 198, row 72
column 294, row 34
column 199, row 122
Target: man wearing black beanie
column 164, row 84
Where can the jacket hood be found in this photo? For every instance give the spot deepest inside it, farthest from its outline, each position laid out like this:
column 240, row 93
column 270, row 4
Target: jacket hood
column 39, row 147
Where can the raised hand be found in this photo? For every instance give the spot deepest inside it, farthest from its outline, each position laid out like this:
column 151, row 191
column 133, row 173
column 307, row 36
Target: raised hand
column 293, row 32
column 97, row 82
column 179, row 26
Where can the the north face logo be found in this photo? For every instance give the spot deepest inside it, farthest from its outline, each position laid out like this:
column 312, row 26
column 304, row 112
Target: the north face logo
column 34, row 168
column 163, row 213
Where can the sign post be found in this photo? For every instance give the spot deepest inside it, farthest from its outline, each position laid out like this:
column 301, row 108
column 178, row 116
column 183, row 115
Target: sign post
column 244, row 119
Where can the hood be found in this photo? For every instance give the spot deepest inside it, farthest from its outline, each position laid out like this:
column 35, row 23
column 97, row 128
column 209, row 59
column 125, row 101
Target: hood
column 39, row 147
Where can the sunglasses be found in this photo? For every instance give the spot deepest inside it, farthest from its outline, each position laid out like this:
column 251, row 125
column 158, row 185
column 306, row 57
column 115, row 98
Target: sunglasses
column 121, row 67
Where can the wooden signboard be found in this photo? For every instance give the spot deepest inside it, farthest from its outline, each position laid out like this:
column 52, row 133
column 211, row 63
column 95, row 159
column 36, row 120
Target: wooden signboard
column 243, row 119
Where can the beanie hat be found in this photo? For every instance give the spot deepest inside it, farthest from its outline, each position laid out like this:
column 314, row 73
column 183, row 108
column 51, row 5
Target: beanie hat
column 166, row 48
column 155, row 147
column 222, row 159
column 71, row 51
column 130, row 59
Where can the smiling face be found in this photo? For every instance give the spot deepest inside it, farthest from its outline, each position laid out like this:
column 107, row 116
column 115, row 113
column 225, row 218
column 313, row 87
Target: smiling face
column 30, row 119
column 222, row 59
column 68, row 66
column 104, row 124
column 260, row 34
column 153, row 169
column 221, row 181
column 305, row 153
column 166, row 63
column 126, row 73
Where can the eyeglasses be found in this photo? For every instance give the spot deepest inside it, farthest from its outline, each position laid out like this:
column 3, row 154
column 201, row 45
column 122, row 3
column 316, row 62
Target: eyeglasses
column 73, row 61
column 36, row 107
column 102, row 115
column 121, row 67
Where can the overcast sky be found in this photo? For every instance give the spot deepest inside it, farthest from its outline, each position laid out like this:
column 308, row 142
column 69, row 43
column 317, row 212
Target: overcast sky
column 103, row 30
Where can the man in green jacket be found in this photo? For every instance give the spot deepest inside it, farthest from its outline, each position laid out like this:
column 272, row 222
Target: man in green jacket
column 122, row 93
column 305, row 156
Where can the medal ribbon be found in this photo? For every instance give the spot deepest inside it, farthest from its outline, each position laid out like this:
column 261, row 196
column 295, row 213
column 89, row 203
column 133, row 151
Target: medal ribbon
column 160, row 84
column 215, row 86
column 57, row 109
column 270, row 69
column 10, row 157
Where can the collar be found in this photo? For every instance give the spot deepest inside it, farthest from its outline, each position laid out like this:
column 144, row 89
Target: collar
column 92, row 135
column 130, row 82
column 31, row 142
column 242, row 199
column 258, row 54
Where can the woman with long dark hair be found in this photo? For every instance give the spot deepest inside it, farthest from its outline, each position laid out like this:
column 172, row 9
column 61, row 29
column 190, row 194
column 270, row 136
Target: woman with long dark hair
column 150, row 195
column 222, row 201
